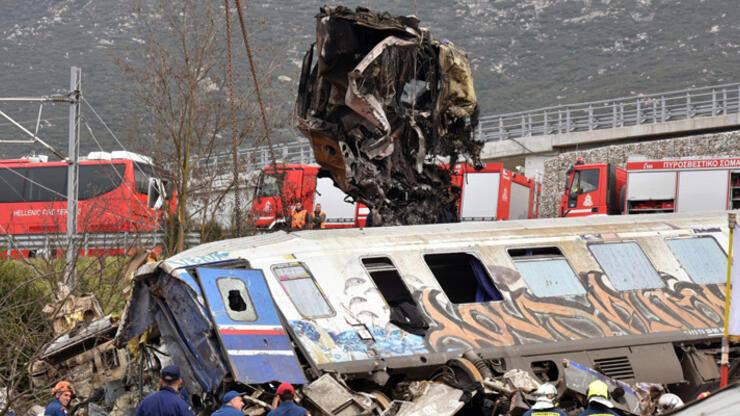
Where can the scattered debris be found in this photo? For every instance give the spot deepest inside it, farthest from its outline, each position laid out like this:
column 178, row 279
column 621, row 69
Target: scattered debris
column 382, row 102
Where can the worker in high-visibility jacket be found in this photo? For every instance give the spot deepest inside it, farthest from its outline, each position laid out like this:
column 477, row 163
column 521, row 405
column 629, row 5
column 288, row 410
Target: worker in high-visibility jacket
column 299, row 217
column 318, row 218
column 598, row 400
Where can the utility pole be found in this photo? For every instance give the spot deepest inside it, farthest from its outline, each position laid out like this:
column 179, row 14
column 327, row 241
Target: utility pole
column 73, row 173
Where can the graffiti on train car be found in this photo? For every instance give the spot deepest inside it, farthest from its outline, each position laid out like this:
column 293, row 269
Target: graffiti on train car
column 603, row 312
column 521, row 318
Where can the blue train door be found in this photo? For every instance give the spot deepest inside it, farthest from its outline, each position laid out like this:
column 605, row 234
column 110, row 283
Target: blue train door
column 257, row 346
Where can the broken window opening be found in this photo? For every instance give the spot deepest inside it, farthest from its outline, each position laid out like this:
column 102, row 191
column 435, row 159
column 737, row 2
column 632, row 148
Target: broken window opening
column 546, row 271
column 404, row 311
column 463, row 278
column 302, row 290
column 626, row 265
column 236, row 300
column 701, row 257
column 546, row 370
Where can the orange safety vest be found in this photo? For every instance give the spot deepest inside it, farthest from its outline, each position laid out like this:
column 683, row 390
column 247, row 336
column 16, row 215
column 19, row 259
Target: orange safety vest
column 298, row 220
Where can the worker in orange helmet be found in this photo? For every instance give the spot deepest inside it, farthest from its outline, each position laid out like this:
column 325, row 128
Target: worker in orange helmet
column 287, row 406
column 63, row 393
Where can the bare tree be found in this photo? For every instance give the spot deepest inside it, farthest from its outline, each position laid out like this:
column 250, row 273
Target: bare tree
column 179, row 82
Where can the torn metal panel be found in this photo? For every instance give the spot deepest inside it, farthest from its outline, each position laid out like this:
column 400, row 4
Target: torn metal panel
column 333, row 398
column 435, row 399
column 381, row 103
column 578, row 376
column 183, row 324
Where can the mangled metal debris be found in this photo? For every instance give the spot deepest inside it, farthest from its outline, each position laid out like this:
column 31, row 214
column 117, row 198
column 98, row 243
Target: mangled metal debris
column 381, row 103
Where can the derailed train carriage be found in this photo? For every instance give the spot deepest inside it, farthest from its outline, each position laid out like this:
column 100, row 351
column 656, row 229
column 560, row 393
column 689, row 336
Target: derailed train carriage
column 639, row 298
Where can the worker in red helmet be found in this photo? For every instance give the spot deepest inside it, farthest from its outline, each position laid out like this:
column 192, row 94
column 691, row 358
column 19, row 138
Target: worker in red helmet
column 286, row 405
column 59, row 404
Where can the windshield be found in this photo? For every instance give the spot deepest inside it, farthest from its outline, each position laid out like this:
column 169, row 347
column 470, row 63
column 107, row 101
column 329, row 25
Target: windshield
column 584, row 181
column 269, row 185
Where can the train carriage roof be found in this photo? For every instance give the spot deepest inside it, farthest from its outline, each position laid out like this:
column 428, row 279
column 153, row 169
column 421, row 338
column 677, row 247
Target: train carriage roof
column 280, row 243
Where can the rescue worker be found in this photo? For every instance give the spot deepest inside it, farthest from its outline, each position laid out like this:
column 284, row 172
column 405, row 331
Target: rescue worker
column 232, row 405
column 286, row 406
column 167, row 401
column 545, row 404
column 59, row 404
column 598, row 400
column 299, row 217
column 318, row 218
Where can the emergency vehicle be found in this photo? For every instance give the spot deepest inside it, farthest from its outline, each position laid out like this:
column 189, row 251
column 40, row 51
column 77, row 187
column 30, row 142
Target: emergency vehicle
column 652, row 186
column 492, row 193
column 118, row 192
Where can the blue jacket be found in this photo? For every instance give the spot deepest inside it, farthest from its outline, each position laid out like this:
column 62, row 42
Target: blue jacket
column 227, row 410
column 55, row 408
column 165, row 402
column 288, row 408
column 553, row 411
column 598, row 409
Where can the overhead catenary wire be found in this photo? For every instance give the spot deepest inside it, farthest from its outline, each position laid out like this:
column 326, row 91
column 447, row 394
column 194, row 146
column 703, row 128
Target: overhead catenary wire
column 109, row 130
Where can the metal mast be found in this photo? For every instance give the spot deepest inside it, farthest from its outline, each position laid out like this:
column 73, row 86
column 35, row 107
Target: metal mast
column 73, row 173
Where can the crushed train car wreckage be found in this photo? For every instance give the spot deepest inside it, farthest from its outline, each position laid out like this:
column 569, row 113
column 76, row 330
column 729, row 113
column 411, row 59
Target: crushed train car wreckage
column 445, row 318
column 383, row 101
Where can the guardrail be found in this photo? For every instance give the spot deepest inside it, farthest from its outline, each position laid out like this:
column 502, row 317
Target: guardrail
column 615, row 113
column 563, row 119
column 299, row 151
column 47, row 243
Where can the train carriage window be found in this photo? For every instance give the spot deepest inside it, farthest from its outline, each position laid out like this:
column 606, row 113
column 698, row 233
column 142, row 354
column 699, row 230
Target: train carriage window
column 701, row 257
column 546, row 271
column 12, row 181
column 302, row 290
column 404, row 311
column 236, row 299
column 626, row 265
column 463, row 278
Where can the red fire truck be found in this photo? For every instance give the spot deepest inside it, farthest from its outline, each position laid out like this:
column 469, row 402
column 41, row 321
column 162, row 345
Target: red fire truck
column 118, row 192
column 649, row 186
column 489, row 194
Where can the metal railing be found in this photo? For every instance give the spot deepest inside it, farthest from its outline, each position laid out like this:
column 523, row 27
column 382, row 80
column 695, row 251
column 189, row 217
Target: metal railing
column 563, row 119
column 48, row 243
column 608, row 114
column 298, row 151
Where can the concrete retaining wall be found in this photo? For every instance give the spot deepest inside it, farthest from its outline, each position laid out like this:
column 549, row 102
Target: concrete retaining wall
column 716, row 144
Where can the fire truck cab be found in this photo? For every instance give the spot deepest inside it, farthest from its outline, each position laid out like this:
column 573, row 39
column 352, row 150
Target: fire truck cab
column 489, row 194
column 651, row 186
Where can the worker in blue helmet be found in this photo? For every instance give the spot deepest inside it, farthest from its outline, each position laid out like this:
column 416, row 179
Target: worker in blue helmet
column 232, row 405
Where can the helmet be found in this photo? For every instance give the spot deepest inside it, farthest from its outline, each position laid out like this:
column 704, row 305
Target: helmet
column 598, row 392
column 547, row 390
column 285, row 388
column 546, row 394
column 61, row 387
column 668, row 402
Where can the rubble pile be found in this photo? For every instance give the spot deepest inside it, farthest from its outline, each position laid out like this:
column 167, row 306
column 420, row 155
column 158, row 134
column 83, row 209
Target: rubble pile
column 382, row 101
